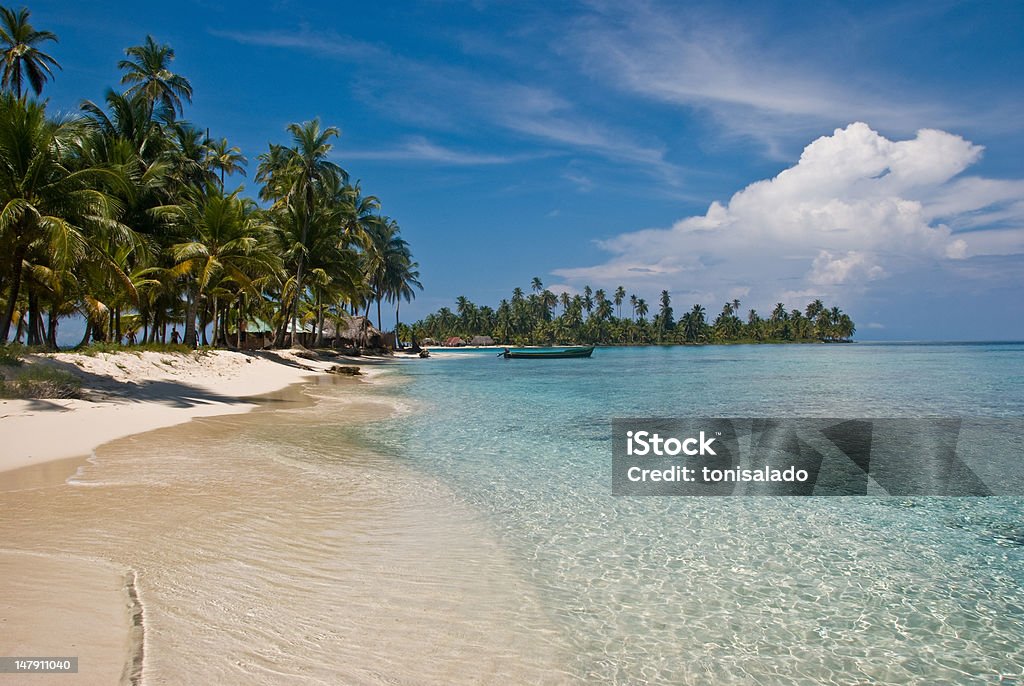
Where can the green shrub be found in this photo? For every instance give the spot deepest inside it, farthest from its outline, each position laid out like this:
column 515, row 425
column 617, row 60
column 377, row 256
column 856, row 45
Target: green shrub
column 10, row 355
column 39, row 381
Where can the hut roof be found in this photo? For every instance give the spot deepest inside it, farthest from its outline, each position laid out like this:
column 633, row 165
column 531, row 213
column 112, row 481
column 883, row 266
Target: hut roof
column 349, row 327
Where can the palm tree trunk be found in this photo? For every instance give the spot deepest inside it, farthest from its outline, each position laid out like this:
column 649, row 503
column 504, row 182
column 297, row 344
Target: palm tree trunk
column 33, row 316
column 319, row 341
column 223, row 337
column 51, row 329
column 216, row 329
column 282, row 328
column 295, row 301
column 301, row 267
column 190, row 319
column 12, row 295
column 398, row 343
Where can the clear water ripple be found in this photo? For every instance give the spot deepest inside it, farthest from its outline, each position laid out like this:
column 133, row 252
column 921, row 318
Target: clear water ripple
column 754, row 590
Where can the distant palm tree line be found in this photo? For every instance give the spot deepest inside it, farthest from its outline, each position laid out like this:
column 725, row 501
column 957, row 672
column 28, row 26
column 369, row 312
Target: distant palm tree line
column 543, row 318
column 122, row 215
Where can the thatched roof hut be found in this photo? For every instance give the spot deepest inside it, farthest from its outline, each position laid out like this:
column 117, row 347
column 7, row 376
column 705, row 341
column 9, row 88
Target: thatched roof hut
column 482, row 340
column 352, row 331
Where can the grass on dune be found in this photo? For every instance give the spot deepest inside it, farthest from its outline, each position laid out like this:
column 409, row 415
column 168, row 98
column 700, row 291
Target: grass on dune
column 39, row 381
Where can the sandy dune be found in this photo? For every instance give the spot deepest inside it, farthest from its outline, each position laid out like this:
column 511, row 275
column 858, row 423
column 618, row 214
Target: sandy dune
column 128, row 393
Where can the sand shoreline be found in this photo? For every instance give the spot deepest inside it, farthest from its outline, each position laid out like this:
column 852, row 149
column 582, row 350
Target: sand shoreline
column 67, row 604
column 129, row 393
column 235, row 547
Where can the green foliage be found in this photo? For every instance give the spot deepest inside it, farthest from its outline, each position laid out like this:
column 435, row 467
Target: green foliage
column 122, row 216
column 42, row 381
column 20, row 57
column 591, row 319
column 10, row 355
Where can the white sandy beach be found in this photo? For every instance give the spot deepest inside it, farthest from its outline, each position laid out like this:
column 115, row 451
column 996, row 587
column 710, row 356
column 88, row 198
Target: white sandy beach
column 61, row 605
column 195, row 553
column 129, row 393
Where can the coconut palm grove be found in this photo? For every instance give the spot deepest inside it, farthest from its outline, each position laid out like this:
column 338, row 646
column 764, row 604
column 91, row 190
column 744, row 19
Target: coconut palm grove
column 543, row 318
column 124, row 216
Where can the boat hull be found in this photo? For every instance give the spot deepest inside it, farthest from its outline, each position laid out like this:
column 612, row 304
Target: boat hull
column 556, row 354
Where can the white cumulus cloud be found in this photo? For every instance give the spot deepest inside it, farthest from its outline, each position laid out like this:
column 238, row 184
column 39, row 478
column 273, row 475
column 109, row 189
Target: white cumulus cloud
column 856, row 208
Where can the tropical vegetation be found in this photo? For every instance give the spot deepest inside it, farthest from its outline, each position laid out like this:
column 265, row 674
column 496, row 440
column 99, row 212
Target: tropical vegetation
column 123, row 215
column 591, row 317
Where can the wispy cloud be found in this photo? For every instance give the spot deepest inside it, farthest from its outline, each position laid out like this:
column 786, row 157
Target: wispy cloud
column 583, row 183
column 448, row 99
column 325, row 43
column 419, row 149
column 748, row 83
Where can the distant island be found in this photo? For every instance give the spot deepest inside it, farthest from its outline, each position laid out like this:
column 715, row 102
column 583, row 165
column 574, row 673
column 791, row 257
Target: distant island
column 594, row 318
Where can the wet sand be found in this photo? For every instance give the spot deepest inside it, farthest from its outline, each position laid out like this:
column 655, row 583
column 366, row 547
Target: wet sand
column 57, row 605
column 270, row 548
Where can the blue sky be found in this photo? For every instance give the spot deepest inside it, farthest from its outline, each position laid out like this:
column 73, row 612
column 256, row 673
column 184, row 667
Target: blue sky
column 865, row 153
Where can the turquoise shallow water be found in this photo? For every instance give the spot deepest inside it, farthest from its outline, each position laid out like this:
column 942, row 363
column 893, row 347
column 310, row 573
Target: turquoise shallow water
column 734, row 590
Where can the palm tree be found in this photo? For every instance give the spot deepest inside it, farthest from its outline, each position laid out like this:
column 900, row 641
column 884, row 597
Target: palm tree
column 293, row 178
column 387, row 257
column 695, row 323
column 227, row 241
column 130, row 135
column 361, row 214
column 132, row 121
column 44, row 204
column 814, row 309
column 620, row 295
column 665, row 314
column 189, row 167
column 338, row 271
column 402, row 280
column 22, row 58
column 148, row 69
column 641, row 309
column 225, row 159
column 548, row 300
column 536, row 284
column 845, row 327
